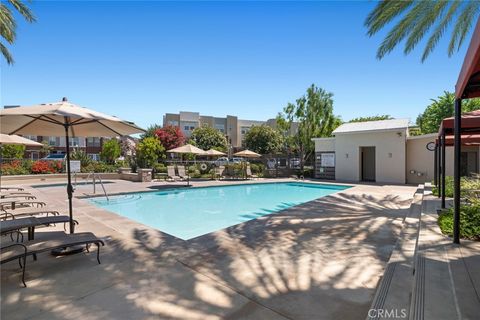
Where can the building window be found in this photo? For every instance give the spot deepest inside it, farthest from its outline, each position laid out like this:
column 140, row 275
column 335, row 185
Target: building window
column 34, row 138
column 244, row 130
column 188, row 128
column 52, row 141
column 94, row 156
column 74, row 142
column 220, row 127
column 172, row 123
column 93, row 142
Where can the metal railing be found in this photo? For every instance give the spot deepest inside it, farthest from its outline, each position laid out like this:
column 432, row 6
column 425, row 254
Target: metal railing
column 94, row 177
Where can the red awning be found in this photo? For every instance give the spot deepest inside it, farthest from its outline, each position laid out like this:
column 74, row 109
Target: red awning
column 468, row 83
column 470, row 120
column 466, row 139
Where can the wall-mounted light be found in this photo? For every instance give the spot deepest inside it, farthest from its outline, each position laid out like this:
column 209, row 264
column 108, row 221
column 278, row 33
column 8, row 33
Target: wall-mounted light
column 419, row 174
column 399, row 134
column 390, row 155
column 413, row 171
column 346, row 155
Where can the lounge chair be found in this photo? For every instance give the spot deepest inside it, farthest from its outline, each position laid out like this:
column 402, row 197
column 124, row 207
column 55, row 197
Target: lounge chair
column 15, row 195
column 9, row 226
column 26, row 212
column 51, row 241
column 182, row 174
column 11, row 188
column 248, row 173
column 218, row 172
column 15, row 203
column 171, row 173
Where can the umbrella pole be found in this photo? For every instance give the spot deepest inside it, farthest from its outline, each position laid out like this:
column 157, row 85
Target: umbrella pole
column 69, row 178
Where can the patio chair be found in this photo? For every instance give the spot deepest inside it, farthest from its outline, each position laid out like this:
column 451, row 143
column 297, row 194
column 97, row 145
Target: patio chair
column 181, row 173
column 218, row 172
column 15, row 195
column 171, row 174
column 50, row 241
column 248, row 172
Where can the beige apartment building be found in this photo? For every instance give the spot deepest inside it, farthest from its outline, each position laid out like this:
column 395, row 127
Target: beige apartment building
column 233, row 128
column 384, row 152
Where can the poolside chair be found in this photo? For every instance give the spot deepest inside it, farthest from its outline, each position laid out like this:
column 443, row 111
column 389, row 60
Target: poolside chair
column 50, row 241
column 181, row 173
column 30, row 223
column 15, row 195
column 171, row 174
column 16, row 203
column 218, row 172
column 26, row 212
column 11, row 188
column 248, row 172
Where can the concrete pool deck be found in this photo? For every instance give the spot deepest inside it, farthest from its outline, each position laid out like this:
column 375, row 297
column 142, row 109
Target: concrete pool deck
column 319, row 260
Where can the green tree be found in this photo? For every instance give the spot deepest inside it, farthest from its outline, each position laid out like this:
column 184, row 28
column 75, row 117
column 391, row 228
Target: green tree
column 151, row 130
column 441, row 108
column 13, row 151
column 8, row 26
column 372, row 118
column 312, row 114
column 206, row 138
column 111, row 150
column 45, row 148
column 149, row 151
column 264, row 140
column 418, row 19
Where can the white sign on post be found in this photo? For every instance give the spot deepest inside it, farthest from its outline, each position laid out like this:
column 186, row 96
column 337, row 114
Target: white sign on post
column 75, row 166
column 328, row 160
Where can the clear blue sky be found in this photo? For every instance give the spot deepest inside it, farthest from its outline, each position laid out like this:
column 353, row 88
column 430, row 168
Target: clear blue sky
column 139, row 60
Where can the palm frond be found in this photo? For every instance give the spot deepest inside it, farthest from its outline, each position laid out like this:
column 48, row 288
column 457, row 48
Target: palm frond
column 440, row 29
column 384, row 12
column 6, row 53
column 463, row 25
column 7, row 24
column 428, row 18
column 23, row 10
column 402, row 28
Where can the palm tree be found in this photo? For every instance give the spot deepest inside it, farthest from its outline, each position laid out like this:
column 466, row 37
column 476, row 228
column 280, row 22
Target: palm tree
column 416, row 18
column 8, row 25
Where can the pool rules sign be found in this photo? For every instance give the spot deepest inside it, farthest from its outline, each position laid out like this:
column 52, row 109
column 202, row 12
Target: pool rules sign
column 327, row 160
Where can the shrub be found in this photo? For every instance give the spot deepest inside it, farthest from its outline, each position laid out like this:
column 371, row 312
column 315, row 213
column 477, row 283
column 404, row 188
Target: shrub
column 469, row 221
column 99, row 166
column 80, row 155
column 13, row 151
column 15, row 167
column 160, row 168
column 465, row 185
column 149, row 150
column 41, row 167
column 257, row 168
column 110, row 151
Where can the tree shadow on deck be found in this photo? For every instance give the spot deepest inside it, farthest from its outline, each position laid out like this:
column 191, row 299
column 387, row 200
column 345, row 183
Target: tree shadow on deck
column 319, row 260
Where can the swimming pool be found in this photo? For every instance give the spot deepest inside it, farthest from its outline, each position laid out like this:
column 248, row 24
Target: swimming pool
column 189, row 213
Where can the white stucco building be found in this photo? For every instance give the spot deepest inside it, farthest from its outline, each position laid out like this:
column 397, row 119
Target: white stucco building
column 382, row 151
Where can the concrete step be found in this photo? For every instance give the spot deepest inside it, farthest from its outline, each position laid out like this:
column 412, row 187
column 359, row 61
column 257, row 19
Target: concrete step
column 445, row 285
column 393, row 295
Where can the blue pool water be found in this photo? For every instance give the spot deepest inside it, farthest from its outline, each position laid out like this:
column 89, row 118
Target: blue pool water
column 189, row 213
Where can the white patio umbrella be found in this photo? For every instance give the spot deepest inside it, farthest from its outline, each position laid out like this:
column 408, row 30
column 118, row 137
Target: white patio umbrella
column 14, row 139
column 247, row 154
column 213, row 152
column 188, row 148
column 64, row 118
column 17, row 140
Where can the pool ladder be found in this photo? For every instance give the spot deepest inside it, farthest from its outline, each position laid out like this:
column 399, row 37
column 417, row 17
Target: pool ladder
column 95, row 177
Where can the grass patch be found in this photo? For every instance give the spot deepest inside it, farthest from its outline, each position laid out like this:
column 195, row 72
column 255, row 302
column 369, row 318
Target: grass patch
column 465, row 185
